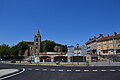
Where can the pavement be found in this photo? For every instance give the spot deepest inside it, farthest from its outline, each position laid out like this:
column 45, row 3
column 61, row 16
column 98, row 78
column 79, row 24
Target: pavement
column 66, row 63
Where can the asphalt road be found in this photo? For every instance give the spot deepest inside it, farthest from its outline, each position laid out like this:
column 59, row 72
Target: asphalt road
column 65, row 73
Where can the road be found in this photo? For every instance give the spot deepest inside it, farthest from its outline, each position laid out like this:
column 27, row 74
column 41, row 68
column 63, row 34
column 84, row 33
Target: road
column 65, row 73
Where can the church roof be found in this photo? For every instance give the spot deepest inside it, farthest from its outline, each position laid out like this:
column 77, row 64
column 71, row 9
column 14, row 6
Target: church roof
column 29, row 43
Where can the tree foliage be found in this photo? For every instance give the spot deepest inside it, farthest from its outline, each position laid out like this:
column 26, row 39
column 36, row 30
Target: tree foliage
column 48, row 46
column 4, row 50
column 64, row 48
column 22, row 46
column 14, row 50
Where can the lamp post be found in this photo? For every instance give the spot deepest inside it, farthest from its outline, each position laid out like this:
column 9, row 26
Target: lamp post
column 77, row 53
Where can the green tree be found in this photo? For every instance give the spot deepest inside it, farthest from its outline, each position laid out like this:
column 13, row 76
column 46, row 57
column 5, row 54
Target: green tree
column 22, row 46
column 4, row 50
column 48, row 46
column 14, row 50
column 64, row 48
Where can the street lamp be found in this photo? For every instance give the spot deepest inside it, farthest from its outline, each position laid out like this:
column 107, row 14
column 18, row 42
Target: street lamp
column 77, row 53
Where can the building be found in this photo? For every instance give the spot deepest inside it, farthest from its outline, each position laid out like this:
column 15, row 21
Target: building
column 36, row 48
column 77, row 53
column 109, row 45
column 92, row 44
column 104, row 45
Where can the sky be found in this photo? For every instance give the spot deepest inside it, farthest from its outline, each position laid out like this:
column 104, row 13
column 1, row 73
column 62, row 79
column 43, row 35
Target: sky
column 63, row 21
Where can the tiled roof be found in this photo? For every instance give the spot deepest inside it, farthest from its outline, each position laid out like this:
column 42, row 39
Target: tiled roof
column 109, row 38
column 105, row 38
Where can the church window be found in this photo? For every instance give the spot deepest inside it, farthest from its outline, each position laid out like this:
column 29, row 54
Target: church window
column 36, row 43
column 37, row 40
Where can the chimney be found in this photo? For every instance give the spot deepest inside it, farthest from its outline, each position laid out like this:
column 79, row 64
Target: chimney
column 115, row 33
column 100, row 35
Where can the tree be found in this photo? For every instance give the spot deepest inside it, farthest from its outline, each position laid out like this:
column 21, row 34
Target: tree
column 64, row 48
column 4, row 50
column 14, row 50
column 22, row 46
column 48, row 46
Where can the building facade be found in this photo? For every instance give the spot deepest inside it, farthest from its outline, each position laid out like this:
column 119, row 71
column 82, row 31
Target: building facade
column 104, row 45
column 109, row 45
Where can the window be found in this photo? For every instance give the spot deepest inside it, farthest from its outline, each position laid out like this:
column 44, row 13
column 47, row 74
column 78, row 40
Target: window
column 99, row 47
column 98, row 43
column 104, row 42
column 36, row 43
column 30, row 48
column 110, row 41
column 119, row 42
column 36, row 39
column 104, row 47
column 110, row 46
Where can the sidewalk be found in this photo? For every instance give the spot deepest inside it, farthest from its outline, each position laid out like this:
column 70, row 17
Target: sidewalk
column 66, row 63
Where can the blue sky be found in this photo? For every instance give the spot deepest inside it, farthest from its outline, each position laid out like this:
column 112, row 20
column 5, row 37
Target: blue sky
column 63, row 21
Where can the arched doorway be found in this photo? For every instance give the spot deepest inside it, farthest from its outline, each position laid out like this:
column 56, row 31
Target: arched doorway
column 60, row 58
column 46, row 58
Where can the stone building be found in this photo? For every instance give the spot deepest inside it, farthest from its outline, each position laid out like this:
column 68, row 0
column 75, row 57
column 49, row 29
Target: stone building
column 36, row 47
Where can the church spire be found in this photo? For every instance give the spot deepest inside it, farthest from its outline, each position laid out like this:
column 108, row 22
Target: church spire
column 38, row 32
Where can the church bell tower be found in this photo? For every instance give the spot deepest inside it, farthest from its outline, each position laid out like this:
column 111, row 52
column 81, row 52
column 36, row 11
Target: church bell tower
column 37, row 42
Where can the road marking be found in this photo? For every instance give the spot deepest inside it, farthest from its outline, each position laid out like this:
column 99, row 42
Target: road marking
column 103, row 70
column 44, row 69
column 60, row 70
column 69, row 70
column 86, row 70
column 77, row 70
column 112, row 70
column 13, row 74
column 118, row 70
column 29, row 69
column 94, row 70
column 52, row 69
column 37, row 69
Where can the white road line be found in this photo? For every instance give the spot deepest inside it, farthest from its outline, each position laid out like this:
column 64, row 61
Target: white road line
column 103, row 70
column 44, row 69
column 52, row 69
column 29, row 69
column 69, row 70
column 118, row 70
column 77, row 70
column 13, row 74
column 94, row 70
column 86, row 70
column 112, row 70
column 37, row 69
column 60, row 70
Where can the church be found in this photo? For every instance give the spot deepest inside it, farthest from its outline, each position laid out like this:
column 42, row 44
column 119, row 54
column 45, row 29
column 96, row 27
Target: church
column 36, row 47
